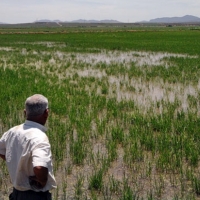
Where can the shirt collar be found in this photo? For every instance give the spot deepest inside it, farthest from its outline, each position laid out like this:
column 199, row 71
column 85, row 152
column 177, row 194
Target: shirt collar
column 35, row 125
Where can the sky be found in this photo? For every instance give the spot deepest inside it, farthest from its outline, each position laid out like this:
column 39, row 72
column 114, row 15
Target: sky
column 23, row 11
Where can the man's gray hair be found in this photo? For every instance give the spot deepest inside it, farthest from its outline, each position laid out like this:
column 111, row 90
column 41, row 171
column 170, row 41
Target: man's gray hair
column 36, row 105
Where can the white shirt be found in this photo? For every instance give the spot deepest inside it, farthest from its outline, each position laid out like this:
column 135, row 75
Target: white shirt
column 26, row 146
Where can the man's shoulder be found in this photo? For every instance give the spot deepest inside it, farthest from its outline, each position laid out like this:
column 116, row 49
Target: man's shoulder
column 36, row 135
column 13, row 129
column 17, row 127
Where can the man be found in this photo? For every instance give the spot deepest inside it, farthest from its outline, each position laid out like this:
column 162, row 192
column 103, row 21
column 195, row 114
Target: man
column 27, row 153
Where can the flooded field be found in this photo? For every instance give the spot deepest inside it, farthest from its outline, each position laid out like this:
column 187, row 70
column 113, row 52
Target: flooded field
column 124, row 124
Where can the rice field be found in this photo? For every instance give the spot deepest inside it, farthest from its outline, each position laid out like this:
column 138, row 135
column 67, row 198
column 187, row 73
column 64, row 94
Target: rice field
column 124, row 110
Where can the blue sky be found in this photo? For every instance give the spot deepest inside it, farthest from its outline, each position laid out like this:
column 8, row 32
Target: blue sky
column 23, row 11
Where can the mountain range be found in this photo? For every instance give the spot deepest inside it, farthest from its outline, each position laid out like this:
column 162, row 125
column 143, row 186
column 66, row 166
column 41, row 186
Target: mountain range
column 79, row 21
column 184, row 19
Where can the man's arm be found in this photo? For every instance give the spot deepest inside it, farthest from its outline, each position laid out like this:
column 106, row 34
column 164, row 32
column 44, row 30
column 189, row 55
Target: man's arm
column 41, row 174
column 3, row 157
column 40, row 179
column 41, row 157
column 3, row 146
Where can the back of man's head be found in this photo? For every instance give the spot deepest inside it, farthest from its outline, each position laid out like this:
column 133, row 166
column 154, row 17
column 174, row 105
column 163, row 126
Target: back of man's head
column 36, row 105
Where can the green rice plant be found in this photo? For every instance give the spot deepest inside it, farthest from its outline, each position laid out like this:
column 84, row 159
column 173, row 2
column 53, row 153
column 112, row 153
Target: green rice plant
column 148, row 139
column 133, row 153
column 191, row 152
column 96, row 180
column 106, row 193
column 78, row 187
column 117, row 134
column 196, row 184
column 159, row 186
column 64, row 186
column 77, row 150
column 127, row 193
column 112, row 150
column 56, row 193
column 114, row 185
column 175, row 197
column 112, row 107
column 104, row 90
column 162, row 163
column 94, row 195
column 160, row 123
column 149, row 170
column 101, row 126
column 150, row 196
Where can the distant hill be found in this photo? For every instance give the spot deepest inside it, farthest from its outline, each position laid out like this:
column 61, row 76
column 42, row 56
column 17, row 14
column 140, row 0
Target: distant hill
column 109, row 21
column 184, row 19
column 83, row 21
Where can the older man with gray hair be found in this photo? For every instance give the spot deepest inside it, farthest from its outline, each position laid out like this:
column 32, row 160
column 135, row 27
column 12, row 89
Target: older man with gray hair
column 27, row 152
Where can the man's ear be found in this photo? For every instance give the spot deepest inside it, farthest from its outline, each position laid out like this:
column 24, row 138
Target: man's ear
column 24, row 113
column 46, row 113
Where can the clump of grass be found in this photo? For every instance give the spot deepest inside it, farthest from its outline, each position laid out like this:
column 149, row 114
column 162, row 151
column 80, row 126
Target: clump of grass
column 96, row 180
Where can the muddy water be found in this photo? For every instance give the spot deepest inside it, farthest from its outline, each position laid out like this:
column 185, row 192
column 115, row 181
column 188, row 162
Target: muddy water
column 6, row 49
column 146, row 93
column 140, row 58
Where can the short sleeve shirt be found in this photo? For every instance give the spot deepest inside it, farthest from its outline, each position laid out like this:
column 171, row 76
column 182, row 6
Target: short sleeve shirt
column 25, row 147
